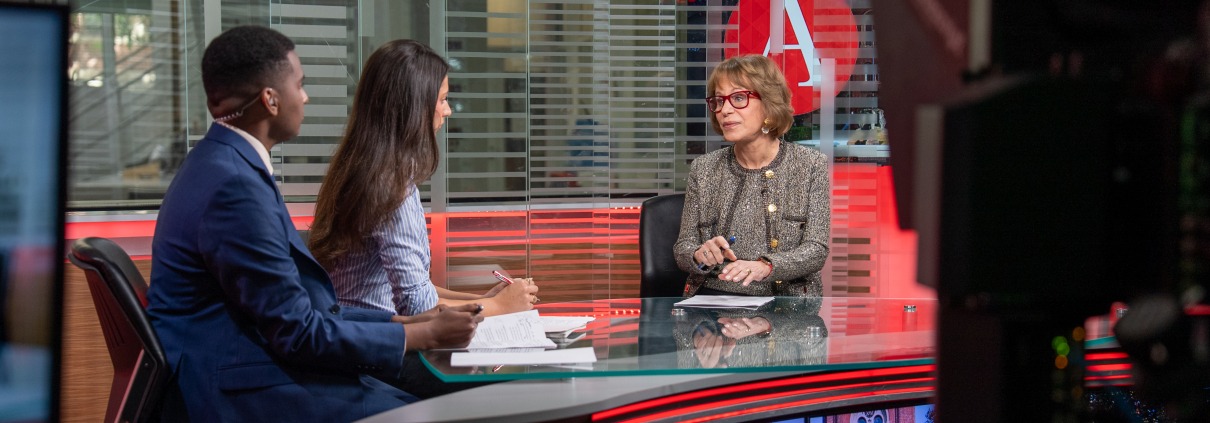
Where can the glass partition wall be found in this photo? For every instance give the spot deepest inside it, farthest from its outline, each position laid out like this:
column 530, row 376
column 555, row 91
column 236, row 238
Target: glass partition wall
column 566, row 115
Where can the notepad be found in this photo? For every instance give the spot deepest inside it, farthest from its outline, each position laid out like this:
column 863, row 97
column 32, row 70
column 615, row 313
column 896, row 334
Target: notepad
column 723, row 301
column 514, row 330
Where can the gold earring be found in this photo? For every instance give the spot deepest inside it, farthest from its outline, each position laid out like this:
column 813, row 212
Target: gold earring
column 765, row 128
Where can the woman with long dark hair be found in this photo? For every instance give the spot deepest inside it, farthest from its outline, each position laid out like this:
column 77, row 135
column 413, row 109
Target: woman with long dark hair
column 369, row 230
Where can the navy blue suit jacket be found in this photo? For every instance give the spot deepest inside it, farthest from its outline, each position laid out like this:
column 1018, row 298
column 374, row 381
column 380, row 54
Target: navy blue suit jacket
column 246, row 315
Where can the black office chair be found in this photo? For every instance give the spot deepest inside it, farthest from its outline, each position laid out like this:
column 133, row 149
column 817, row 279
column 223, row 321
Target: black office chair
column 119, row 292
column 659, row 225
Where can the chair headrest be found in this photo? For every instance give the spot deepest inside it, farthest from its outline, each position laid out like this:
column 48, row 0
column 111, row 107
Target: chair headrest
column 108, row 257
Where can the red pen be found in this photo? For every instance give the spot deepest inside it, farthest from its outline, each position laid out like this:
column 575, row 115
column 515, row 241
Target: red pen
column 501, row 277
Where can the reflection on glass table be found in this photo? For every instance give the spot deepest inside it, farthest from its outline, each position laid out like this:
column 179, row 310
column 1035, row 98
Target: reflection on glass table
column 653, row 337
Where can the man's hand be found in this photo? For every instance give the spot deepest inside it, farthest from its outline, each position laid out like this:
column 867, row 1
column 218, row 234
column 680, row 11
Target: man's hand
column 448, row 327
column 422, row 317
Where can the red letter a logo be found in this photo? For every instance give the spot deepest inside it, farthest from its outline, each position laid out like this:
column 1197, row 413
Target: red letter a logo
column 812, row 29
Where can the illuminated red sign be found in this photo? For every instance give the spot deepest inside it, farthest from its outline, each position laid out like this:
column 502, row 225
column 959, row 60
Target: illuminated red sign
column 813, row 29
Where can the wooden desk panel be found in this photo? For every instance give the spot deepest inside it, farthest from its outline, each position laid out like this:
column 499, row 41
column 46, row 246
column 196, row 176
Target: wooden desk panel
column 87, row 371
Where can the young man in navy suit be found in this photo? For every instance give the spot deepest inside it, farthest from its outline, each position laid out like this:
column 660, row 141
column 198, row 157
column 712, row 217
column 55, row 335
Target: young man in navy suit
column 247, row 317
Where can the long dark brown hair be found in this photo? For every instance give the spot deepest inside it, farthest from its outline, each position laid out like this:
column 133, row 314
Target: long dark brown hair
column 389, row 146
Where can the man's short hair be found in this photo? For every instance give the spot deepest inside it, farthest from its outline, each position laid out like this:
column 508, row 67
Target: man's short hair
column 242, row 60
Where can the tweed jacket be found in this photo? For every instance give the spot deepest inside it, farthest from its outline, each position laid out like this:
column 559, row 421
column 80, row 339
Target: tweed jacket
column 780, row 212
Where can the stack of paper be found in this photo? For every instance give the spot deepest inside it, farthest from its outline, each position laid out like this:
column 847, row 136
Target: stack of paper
column 562, row 329
column 724, row 301
column 525, row 338
column 514, row 330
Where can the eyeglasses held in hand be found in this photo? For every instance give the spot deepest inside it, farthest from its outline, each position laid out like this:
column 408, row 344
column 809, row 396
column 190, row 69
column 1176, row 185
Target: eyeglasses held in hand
column 738, row 99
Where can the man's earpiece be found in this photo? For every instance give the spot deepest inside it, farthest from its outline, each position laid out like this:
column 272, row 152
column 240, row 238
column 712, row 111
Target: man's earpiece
column 273, row 102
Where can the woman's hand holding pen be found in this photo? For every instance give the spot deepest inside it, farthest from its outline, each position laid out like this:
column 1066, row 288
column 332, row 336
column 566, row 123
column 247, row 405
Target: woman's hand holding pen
column 519, row 296
column 714, row 252
column 512, row 295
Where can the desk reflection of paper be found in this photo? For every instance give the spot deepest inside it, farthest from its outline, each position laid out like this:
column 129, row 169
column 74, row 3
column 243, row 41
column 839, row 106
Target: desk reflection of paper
column 723, row 301
column 563, row 324
column 507, row 357
column 513, row 330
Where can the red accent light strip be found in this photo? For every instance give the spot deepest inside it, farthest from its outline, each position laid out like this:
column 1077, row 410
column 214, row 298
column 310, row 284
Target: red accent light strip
column 811, row 378
column 1198, row 310
column 1105, row 356
column 114, row 229
column 138, row 228
column 1107, row 377
column 1108, row 367
column 302, row 222
column 782, row 406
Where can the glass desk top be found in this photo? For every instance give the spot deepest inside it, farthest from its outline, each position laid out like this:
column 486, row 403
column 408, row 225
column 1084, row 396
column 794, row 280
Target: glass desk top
column 652, row 337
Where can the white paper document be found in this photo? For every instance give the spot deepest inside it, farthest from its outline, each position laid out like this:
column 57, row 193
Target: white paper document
column 723, row 301
column 508, row 357
column 563, row 324
column 514, row 330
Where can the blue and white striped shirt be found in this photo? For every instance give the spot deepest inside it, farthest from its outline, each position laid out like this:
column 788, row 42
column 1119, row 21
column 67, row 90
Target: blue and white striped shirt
column 391, row 270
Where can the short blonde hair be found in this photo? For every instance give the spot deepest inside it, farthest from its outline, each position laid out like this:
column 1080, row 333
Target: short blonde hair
column 759, row 74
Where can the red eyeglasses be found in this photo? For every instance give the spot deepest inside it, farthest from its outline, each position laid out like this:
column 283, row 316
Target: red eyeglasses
column 738, row 99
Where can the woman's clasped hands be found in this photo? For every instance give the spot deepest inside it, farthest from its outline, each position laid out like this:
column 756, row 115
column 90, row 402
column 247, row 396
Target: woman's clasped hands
column 745, row 271
column 717, row 251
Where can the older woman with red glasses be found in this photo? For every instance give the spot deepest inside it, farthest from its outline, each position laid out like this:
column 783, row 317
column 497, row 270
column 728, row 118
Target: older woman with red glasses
column 757, row 212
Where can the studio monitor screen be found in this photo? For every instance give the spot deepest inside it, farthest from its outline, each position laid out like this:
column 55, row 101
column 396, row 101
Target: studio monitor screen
column 33, row 48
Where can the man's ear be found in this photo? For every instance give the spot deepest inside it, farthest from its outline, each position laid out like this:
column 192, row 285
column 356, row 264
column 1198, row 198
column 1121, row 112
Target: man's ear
column 269, row 96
